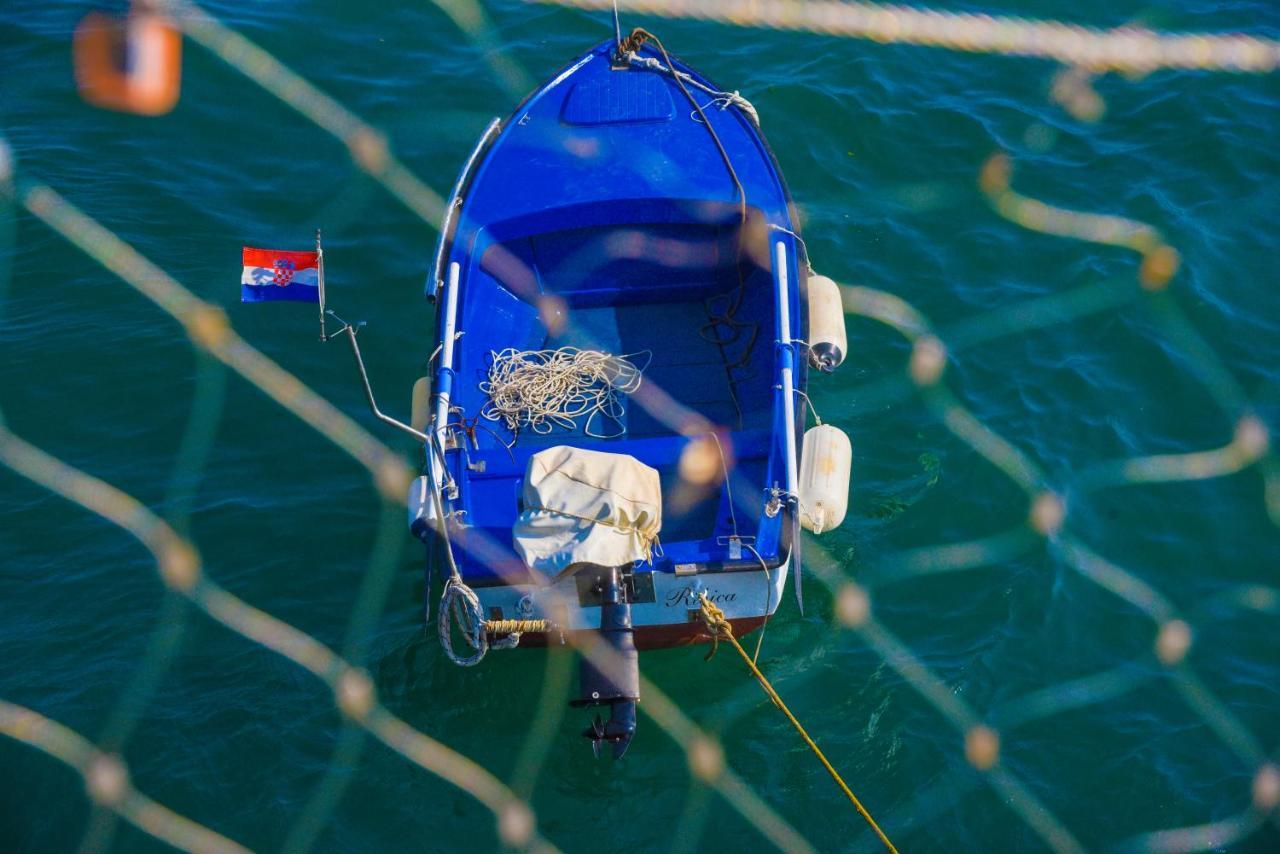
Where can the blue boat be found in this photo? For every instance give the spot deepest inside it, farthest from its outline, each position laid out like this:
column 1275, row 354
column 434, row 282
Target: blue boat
column 627, row 222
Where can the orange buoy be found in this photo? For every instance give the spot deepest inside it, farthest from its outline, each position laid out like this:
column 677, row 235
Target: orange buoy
column 133, row 65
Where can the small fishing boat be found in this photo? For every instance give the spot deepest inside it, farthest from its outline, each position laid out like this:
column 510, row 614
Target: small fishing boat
column 615, row 408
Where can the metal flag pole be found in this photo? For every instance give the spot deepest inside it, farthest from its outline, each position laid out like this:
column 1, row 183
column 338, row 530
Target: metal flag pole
column 324, row 336
column 350, row 330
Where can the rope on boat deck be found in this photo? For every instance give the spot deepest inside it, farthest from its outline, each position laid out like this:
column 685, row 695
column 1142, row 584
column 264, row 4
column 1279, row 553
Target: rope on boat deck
column 720, row 628
column 628, row 48
column 546, row 389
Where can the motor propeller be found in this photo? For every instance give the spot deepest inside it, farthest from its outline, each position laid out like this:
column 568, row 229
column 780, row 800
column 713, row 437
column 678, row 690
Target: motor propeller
column 618, row 730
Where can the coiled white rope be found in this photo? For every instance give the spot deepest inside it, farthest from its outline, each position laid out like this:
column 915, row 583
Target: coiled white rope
column 460, row 607
column 545, row 389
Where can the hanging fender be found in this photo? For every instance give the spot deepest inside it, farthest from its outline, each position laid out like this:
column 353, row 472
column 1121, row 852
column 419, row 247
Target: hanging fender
column 828, row 342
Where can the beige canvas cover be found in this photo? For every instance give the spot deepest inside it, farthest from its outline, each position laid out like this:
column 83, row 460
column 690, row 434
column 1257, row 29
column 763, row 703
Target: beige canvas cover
column 585, row 506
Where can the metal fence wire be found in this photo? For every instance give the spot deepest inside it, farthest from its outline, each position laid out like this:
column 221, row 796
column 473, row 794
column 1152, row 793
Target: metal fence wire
column 1083, row 54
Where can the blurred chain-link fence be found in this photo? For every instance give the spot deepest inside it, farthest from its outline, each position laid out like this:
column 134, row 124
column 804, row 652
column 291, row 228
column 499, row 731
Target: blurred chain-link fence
column 1084, row 54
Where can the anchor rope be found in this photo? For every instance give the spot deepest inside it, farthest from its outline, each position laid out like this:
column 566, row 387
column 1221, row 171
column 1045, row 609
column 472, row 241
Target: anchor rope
column 733, row 522
column 460, row 606
column 628, row 48
column 719, row 97
column 515, row 627
column 728, row 318
column 720, row 628
column 545, row 389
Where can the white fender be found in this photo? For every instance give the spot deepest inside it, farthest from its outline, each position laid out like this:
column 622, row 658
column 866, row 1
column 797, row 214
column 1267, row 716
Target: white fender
column 825, row 465
column 422, row 508
column 828, row 342
column 420, row 407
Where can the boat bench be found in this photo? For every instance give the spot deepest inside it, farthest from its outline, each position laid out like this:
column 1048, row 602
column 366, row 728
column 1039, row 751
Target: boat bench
column 660, row 452
column 495, row 482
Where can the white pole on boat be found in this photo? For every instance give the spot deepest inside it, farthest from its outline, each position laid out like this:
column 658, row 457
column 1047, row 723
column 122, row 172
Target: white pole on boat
column 788, row 391
column 445, row 385
column 786, row 356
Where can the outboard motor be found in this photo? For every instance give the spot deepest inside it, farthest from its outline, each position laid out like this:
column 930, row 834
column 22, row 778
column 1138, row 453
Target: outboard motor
column 616, row 684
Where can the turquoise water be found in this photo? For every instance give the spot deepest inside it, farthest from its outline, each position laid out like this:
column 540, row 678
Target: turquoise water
column 881, row 147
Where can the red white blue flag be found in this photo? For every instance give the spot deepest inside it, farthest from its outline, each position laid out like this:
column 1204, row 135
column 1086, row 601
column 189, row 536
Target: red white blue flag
column 271, row 275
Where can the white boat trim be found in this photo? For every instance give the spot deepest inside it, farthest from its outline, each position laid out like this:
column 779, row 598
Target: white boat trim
column 788, row 384
column 446, row 352
column 455, row 202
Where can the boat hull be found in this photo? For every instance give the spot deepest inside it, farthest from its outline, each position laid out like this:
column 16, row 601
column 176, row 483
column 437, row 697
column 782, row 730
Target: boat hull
column 665, row 607
column 601, row 216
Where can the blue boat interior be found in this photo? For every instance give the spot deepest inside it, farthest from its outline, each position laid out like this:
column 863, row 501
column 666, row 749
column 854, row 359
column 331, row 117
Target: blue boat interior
column 579, row 253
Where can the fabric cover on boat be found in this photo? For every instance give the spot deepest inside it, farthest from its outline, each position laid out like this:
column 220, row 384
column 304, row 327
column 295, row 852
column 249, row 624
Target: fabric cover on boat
column 585, row 506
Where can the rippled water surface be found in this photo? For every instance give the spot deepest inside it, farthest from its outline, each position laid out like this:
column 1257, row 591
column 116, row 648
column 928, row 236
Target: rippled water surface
column 881, row 147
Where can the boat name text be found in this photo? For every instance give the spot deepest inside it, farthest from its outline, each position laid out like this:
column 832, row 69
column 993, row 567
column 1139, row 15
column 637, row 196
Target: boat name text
column 688, row 597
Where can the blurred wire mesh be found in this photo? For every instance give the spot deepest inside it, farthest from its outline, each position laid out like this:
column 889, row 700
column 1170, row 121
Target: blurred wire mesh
column 1083, row 52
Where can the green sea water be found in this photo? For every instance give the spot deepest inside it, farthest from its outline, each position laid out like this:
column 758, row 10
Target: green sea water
column 881, row 147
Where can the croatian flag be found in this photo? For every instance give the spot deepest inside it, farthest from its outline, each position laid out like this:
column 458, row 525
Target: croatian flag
column 271, row 275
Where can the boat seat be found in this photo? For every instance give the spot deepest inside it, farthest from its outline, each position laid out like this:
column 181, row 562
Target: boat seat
column 657, row 451
column 616, row 265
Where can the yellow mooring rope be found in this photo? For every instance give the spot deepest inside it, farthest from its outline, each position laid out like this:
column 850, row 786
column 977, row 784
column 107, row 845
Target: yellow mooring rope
column 720, row 629
column 511, row 627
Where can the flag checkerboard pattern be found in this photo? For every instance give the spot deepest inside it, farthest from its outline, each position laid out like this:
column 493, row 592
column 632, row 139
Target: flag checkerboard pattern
column 272, row 275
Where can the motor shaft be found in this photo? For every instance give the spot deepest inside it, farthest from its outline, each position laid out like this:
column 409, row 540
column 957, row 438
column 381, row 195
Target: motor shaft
column 613, row 680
